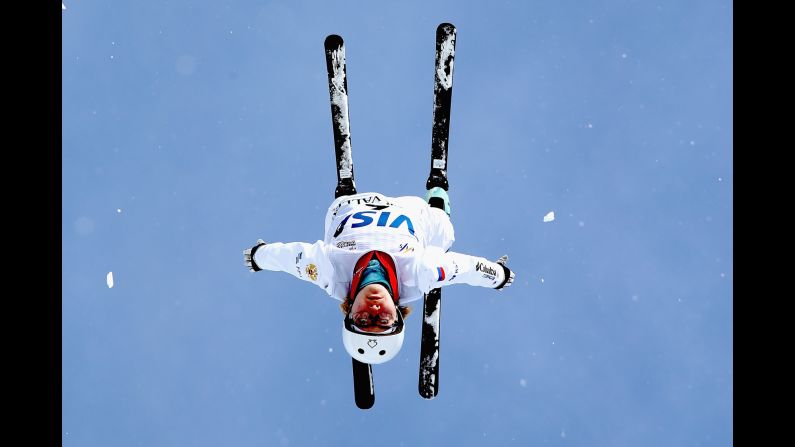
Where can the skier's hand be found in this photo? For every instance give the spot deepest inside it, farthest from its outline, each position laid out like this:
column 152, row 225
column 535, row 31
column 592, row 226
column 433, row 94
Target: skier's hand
column 508, row 273
column 248, row 256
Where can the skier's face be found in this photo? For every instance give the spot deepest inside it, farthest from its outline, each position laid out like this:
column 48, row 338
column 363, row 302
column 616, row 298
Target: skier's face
column 373, row 309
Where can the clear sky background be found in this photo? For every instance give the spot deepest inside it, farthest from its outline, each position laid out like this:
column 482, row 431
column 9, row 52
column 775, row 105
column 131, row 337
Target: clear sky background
column 190, row 129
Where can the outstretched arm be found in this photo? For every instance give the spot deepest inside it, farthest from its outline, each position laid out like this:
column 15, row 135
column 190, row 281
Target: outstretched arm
column 308, row 262
column 439, row 269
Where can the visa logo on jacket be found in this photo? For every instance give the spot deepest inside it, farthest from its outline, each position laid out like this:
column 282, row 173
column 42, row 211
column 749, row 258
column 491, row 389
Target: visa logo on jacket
column 381, row 219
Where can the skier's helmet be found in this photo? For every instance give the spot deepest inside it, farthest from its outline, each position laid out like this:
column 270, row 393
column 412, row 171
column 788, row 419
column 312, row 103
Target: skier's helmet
column 359, row 340
column 372, row 347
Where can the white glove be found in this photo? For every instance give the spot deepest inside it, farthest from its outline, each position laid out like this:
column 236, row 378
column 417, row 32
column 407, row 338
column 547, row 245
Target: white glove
column 248, row 256
column 508, row 273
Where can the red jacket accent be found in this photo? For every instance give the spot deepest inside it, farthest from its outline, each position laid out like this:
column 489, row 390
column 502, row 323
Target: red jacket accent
column 389, row 266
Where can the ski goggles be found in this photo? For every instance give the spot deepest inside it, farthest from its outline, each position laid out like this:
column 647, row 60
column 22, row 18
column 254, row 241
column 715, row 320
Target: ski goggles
column 359, row 326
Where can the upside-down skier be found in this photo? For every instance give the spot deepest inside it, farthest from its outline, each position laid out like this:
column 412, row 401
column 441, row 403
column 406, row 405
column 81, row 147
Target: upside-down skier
column 380, row 253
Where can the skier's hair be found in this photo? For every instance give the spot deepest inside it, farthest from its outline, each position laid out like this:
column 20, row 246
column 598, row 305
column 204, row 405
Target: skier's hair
column 345, row 307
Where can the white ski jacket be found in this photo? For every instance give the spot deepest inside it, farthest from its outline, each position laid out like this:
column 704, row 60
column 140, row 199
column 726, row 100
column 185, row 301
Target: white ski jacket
column 416, row 235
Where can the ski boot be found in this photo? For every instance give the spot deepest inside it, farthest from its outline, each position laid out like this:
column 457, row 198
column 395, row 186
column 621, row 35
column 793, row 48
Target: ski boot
column 437, row 197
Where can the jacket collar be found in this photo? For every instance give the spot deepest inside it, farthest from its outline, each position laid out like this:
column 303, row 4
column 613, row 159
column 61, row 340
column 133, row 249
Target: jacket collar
column 389, row 265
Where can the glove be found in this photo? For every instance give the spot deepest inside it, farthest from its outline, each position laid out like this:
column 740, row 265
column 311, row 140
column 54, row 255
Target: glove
column 508, row 273
column 248, row 256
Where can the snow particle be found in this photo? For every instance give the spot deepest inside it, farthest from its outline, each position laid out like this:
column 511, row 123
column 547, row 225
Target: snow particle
column 720, row 179
column 118, row 210
column 589, row 125
column 109, row 280
column 523, row 382
column 692, row 143
column 549, row 217
column 63, row 7
column 563, row 433
column 581, row 223
column 634, row 297
column 330, row 349
column 542, row 280
column 623, row 55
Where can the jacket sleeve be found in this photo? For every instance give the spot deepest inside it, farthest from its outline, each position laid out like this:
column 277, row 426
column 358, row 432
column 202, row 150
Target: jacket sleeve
column 308, row 262
column 437, row 268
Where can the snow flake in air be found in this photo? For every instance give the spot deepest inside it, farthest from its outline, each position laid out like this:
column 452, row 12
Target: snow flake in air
column 549, row 217
column 109, row 280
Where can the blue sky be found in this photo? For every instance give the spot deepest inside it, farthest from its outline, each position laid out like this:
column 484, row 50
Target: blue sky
column 191, row 129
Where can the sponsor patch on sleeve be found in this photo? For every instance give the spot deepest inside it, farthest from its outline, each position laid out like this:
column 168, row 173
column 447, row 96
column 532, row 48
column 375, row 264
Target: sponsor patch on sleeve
column 297, row 264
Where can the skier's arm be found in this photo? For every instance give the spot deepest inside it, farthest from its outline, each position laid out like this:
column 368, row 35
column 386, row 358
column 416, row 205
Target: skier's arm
column 438, row 269
column 302, row 260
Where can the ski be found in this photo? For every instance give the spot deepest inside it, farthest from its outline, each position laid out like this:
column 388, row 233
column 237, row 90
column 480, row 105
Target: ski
column 363, row 389
column 338, row 93
column 442, row 95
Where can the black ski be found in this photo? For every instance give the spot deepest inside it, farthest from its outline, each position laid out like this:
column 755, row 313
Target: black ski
column 363, row 389
column 338, row 93
column 442, row 94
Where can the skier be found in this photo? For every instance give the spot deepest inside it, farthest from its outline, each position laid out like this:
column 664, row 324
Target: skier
column 379, row 254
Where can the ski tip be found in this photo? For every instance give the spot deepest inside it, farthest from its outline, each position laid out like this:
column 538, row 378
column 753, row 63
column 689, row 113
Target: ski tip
column 446, row 28
column 333, row 41
column 365, row 404
column 428, row 394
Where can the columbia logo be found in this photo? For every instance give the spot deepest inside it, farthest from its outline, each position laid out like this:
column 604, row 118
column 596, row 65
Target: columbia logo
column 481, row 267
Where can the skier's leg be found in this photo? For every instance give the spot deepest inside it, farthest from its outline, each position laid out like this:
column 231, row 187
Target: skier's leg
column 441, row 232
